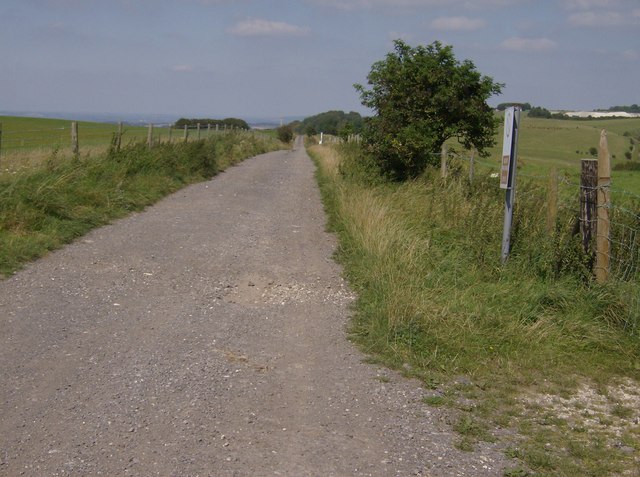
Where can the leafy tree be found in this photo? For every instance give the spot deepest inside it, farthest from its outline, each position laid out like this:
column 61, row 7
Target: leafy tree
column 285, row 133
column 422, row 97
column 310, row 131
column 221, row 123
column 523, row 106
column 538, row 112
column 332, row 122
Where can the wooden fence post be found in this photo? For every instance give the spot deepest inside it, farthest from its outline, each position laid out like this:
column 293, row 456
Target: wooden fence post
column 552, row 201
column 588, row 202
column 75, row 146
column 443, row 162
column 208, row 129
column 150, row 136
column 198, row 126
column 603, row 244
column 119, row 136
column 186, row 133
column 170, row 131
column 472, row 165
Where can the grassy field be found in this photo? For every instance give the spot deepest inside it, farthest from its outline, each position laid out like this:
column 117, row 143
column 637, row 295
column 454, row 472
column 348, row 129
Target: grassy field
column 26, row 141
column 21, row 134
column 561, row 144
column 533, row 355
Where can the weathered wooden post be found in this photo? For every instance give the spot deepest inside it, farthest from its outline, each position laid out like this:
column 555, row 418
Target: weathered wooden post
column 208, row 129
column 186, row 133
column 588, row 202
column 472, row 165
column 75, row 146
column 119, row 136
column 603, row 244
column 552, row 201
column 198, row 127
column 150, row 136
column 443, row 162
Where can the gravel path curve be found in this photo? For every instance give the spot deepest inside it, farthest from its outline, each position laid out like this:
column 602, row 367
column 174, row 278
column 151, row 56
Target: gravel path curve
column 205, row 336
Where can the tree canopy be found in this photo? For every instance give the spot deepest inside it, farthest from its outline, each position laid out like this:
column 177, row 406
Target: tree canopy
column 332, row 122
column 422, row 97
column 228, row 122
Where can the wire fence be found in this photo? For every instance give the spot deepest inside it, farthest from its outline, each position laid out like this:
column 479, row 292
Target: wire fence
column 623, row 209
column 61, row 137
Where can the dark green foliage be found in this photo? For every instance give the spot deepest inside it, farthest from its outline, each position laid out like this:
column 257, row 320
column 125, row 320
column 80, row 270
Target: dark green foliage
column 523, row 106
column 539, row 112
column 333, row 122
column 229, row 123
column 422, row 97
column 310, row 131
column 634, row 108
column 285, row 133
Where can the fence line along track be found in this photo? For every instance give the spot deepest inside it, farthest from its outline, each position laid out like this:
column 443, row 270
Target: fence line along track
column 95, row 134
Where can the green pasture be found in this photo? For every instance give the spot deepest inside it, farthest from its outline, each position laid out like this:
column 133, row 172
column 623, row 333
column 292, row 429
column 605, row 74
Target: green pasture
column 21, row 134
column 544, row 144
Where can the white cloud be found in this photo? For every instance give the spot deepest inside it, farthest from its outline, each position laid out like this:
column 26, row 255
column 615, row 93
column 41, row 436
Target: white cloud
column 528, row 44
column 598, row 19
column 261, row 27
column 589, row 4
column 458, row 23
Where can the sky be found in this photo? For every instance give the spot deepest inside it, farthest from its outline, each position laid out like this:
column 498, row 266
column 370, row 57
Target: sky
column 280, row 58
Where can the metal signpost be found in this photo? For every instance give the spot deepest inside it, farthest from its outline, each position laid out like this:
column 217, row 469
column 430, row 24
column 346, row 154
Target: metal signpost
column 508, row 173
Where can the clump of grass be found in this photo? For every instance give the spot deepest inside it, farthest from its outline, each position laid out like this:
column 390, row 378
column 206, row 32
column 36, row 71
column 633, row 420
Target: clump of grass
column 423, row 257
column 60, row 198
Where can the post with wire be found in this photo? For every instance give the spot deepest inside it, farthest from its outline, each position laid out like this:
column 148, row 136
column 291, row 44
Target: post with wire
column 508, row 174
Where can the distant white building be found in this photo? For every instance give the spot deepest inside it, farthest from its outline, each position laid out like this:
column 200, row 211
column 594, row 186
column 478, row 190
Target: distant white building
column 598, row 114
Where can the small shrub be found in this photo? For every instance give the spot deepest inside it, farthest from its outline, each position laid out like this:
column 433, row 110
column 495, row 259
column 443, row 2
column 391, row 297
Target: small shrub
column 285, row 133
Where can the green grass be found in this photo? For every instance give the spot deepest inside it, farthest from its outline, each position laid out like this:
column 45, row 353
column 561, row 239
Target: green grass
column 544, row 144
column 434, row 302
column 25, row 137
column 60, row 198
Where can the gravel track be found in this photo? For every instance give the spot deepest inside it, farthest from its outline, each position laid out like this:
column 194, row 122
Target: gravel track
column 205, row 336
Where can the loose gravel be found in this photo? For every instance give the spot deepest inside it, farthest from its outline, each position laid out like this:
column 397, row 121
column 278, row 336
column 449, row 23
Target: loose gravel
column 205, row 336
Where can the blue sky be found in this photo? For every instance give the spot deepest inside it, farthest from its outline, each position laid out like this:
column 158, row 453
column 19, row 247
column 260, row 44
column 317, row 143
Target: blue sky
column 273, row 58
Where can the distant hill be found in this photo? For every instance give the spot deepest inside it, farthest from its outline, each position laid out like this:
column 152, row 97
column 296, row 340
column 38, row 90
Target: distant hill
column 331, row 122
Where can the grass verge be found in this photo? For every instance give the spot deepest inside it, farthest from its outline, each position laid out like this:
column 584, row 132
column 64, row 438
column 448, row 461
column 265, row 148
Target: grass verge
column 61, row 198
column 532, row 354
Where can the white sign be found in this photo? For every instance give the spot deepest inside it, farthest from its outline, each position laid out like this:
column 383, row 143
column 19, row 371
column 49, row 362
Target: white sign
column 507, row 145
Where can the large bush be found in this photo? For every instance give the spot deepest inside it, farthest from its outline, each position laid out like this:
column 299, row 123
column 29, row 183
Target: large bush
column 422, row 97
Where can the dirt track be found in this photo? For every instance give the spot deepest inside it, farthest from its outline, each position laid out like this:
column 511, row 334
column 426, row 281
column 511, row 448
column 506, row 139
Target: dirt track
column 206, row 337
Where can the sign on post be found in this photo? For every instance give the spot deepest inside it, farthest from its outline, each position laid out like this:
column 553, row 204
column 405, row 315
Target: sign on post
column 508, row 173
column 507, row 147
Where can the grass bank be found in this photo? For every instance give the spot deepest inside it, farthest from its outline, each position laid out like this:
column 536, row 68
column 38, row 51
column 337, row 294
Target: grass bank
column 60, row 198
column 532, row 354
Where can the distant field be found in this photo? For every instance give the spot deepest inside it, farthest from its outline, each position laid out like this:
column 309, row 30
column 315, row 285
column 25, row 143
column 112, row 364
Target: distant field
column 28, row 142
column 548, row 143
column 21, row 134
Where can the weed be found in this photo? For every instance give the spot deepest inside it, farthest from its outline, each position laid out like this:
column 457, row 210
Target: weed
column 432, row 300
